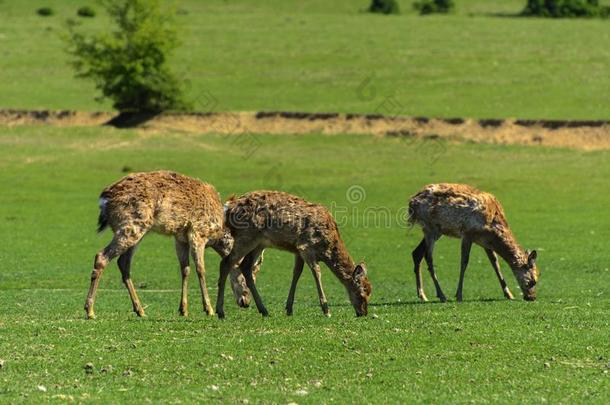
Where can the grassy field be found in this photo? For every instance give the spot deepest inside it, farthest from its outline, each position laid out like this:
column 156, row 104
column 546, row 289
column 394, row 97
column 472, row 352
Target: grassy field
column 485, row 349
column 331, row 56
column 315, row 55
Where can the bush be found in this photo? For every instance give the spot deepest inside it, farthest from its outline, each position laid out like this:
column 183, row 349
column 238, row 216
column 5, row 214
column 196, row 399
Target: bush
column 129, row 65
column 86, row 11
column 434, row 6
column 384, row 7
column 45, row 11
column 565, row 8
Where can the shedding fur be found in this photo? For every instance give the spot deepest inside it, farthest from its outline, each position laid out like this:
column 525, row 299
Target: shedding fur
column 462, row 211
column 263, row 219
column 168, row 203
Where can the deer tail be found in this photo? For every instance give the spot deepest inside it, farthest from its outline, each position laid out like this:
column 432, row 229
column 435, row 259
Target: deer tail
column 412, row 218
column 102, row 220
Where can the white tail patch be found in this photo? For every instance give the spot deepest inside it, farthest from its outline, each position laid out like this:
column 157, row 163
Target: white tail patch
column 103, row 202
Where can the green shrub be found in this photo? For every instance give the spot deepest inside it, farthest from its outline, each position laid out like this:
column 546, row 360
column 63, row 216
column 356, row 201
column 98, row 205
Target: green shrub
column 86, row 11
column 565, row 8
column 45, row 11
column 129, row 65
column 434, row 6
column 384, row 7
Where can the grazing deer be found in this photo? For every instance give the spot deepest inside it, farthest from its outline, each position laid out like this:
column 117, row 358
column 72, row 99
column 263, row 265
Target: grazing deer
column 166, row 203
column 262, row 219
column 238, row 282
column 461, row 211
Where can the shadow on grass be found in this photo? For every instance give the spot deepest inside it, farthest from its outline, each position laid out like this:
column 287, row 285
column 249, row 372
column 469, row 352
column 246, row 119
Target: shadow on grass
column 537, row 17
column 402, row 303
column 131, row 119
column 436, row 302
column 503, row 15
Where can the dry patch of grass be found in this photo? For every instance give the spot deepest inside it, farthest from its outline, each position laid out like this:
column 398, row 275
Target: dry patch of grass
column 583, row 135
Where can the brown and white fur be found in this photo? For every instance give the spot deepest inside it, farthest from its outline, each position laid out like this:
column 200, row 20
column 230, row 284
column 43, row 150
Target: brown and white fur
column 171, row 204
column 461, row 211
column 262, row 219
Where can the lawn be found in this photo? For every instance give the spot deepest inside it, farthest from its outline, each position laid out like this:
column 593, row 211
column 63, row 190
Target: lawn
column 328, row 56
column 485, row 349
column 321, row 56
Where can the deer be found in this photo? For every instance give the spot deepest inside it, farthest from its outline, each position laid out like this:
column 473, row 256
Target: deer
column 462, row 211
column 171, row 204
column 274, row 219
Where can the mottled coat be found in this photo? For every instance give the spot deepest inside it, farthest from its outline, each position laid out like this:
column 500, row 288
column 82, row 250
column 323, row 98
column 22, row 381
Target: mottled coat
column 461, row 211
column 167, row 203
column 262, row 219
column 163, row 202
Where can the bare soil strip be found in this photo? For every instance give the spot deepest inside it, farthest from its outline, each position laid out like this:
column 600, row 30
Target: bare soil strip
column 584, row 135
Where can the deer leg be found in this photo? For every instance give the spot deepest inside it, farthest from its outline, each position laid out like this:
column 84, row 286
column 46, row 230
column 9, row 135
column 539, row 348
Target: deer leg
column 102, row 258
column 246, row 268
column 418, row 256
column 182, row 252
column 257, row 265
column 296, row 274
column 240, row 249
column 315, row 269
column 225, row 268
column 238, row 282
column 493, row 258
column 124, row 263
column 466, row 246
column 197, row 252
column 430, row 240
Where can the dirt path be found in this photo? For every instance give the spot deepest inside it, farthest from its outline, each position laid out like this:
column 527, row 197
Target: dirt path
column 585, row 135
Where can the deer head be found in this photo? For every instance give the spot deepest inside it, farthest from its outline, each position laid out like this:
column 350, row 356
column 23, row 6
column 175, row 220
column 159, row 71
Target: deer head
column 240, row 289
column 223, row 246
column 527, row 275
column 360, row 291
column 238, row 284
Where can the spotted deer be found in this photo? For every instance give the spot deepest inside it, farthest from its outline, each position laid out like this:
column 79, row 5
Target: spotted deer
column 262, row 219
column 171, row 204
column 461, row 211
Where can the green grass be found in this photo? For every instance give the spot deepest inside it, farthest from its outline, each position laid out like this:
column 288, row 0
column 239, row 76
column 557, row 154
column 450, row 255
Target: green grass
column 485, row 349
column 313, row 56
column 318, row 56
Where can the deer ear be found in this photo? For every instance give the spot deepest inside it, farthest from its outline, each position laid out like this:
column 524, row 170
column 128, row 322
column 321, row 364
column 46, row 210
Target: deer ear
column 359, row 271
column 531, row 258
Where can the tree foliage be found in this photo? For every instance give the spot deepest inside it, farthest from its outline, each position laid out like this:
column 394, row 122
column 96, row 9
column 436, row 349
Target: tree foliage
column 565, row 8
column 434, row 6
column 384, row 7
column 130, row 64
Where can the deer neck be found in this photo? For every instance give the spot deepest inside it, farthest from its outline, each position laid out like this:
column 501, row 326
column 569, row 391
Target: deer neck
column 340, row 262
column 504, row 244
